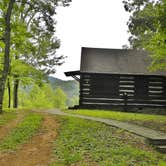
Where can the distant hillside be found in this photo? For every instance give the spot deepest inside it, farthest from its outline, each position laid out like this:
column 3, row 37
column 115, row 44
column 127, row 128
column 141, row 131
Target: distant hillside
column 71, row 87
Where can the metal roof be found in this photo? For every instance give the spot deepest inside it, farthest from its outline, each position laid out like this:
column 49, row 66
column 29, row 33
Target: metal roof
column 118, row 61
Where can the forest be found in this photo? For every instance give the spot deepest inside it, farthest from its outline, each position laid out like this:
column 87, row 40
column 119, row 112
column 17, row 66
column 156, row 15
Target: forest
column 28, row 55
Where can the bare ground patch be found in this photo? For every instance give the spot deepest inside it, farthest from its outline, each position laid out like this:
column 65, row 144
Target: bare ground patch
column 37, row 151
column 5, row 129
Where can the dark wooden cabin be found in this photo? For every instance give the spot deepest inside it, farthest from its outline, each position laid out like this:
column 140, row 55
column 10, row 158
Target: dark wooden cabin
column 118, row 77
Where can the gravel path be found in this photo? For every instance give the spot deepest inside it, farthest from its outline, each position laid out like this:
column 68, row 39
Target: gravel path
column 139, row 130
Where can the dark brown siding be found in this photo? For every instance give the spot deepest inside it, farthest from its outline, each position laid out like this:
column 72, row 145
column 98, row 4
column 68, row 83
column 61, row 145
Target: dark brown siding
column 103, row 90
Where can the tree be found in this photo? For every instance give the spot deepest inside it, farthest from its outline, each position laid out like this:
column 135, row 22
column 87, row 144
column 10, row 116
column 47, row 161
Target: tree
column 60, row 99
column 25, row 74
column 6, row 38
column 33, row 30
column 147, row 26
column 43, row 96
column 41, row 53
column 74, row 101
column 40, row 97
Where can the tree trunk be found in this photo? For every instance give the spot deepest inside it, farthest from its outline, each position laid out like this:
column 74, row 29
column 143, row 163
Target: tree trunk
column 9, row 93
column 15, row 92
column 6, row 66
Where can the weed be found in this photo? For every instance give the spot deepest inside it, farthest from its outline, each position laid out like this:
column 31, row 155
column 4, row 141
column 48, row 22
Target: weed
column 22, row 132
column 157, row 122
column 86, row 142
column 6, row 117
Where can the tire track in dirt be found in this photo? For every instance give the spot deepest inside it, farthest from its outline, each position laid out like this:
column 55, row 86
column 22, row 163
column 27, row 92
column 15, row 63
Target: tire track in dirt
column 38, row 150
column 6, row 128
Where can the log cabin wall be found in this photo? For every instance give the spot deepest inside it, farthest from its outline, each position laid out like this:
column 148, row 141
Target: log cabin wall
column 105, row 90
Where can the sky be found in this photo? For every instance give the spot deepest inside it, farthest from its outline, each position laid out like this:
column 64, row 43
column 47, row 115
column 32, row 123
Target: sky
column 89, row 23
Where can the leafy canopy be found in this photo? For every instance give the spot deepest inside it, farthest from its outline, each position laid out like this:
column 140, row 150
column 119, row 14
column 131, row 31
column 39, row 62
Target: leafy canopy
column 147, row 25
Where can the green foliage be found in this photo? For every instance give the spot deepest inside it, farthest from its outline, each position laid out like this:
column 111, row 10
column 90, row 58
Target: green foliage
column 33, row 38
column 40, row 95
column 32, row 32
column 119, row 115
column 22, row 132
column 25, row 70
column 157, row 122
column 33, row 42
column 60, row 98
column 6, row 117
column 147, row 26
column 36, row 97
column 70, row 87
column 74, row 101
column 5, row 99
column 85, row 142
column 43, row 97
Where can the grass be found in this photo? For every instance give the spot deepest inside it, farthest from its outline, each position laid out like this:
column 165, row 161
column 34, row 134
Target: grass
column 22, row 132
column 84, row 143
column 7, row 117
column 157, row 122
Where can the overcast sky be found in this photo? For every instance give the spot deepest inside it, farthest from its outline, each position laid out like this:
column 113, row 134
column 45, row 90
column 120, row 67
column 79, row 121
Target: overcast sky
column 89, row 23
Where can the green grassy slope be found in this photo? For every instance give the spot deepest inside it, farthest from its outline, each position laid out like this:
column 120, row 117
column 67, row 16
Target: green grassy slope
column 157, row 122
column 86, row 143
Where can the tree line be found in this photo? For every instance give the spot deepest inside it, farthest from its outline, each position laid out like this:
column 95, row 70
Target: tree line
column 27, row 44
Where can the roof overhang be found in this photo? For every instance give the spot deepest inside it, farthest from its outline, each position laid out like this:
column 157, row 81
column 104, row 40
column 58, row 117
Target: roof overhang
column 78, row 73
column 74, row 74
